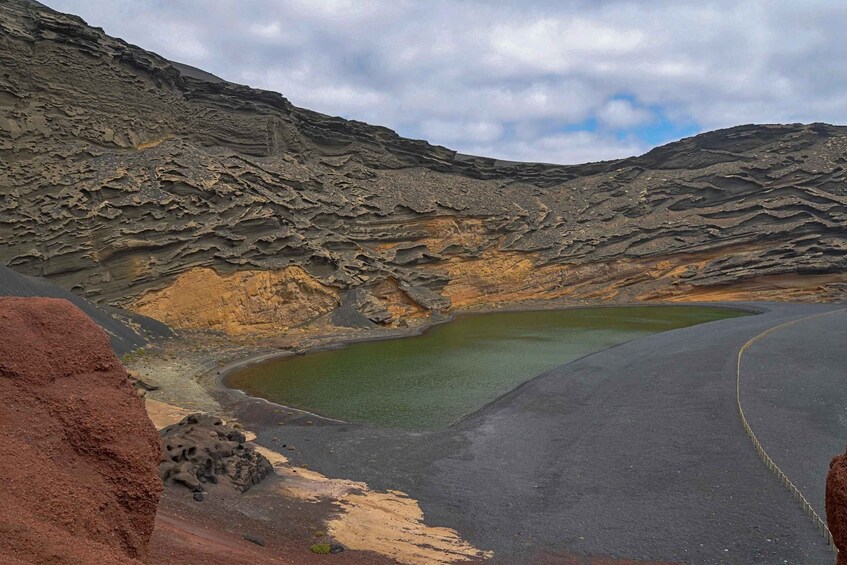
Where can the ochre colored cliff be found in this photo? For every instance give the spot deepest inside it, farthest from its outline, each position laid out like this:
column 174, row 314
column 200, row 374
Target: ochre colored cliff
column 134, row 181
column 79, row 466
column 240, row 302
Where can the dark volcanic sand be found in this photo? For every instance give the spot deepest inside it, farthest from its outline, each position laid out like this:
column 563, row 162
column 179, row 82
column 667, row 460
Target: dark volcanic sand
column 635, row 452
column 799, row 394
column 211, row 532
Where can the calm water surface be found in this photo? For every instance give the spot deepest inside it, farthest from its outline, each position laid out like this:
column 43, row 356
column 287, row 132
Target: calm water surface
column 432, row 380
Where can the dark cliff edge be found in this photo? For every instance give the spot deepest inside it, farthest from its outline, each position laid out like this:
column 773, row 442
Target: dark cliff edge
column 137, row 182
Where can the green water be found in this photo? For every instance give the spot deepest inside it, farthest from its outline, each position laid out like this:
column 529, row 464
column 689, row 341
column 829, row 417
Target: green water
column 432, row 380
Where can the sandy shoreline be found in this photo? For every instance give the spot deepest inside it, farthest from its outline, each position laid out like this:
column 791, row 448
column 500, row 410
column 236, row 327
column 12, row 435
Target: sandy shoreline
column 387, row 521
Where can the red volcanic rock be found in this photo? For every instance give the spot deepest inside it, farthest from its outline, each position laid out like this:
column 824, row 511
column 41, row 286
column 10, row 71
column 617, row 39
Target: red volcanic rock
column 836, row 504
column 79, row 463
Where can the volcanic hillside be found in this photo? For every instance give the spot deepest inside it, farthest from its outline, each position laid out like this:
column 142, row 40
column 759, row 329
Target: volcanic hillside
column 126, row 330
column 138, row 182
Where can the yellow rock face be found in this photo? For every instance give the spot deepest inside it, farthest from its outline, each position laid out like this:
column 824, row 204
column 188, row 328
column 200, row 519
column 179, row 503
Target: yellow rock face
column 502, row 277
column 239, row 303
column 265, row 302
column 398, row 302
column 797, row 288
column 499, row 277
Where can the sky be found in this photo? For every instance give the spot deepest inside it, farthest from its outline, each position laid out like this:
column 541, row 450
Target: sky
column 566, row 81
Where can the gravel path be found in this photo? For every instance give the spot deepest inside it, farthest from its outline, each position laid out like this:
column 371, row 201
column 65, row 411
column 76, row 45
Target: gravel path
column 633, row 452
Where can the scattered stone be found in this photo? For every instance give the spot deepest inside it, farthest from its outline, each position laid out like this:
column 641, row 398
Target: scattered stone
column 199, row 496
column 336, row 548
column 143, row 382
column 258, row 540
column 201, row 449
column 371, row 306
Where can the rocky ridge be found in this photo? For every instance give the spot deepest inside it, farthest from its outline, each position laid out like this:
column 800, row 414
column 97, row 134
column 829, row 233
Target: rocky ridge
column 141, row 183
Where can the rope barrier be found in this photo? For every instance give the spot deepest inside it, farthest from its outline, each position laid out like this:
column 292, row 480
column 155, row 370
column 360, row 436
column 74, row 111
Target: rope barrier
column 820, row 524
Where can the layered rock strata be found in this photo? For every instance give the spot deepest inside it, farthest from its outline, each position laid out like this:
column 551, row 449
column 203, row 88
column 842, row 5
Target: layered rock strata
column 134, row 181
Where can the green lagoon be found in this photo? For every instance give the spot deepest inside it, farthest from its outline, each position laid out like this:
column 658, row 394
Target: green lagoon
column 432, row 380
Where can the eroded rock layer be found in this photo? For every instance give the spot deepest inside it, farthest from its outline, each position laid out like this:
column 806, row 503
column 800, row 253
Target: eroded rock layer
column 124, row 177
column 80, row 455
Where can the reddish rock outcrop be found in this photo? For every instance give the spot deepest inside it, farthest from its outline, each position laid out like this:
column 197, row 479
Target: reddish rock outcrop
column 79, row 468
column 836, row 504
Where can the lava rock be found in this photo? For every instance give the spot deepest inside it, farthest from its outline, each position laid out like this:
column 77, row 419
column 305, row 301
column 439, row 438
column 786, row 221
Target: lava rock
column 258, row 540
column 201, row 450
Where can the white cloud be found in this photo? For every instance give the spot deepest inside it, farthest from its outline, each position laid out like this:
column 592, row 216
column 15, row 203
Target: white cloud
column 181, row 41
column 620, row 113
column 452, row 131
column 557, row 45
column 564, row 148
column 507, row 76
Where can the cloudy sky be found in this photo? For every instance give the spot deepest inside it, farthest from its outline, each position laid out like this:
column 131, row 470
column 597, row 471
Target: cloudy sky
column 542, row 80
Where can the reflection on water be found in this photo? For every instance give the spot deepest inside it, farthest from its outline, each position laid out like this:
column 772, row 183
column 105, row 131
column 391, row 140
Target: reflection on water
column 430, row 381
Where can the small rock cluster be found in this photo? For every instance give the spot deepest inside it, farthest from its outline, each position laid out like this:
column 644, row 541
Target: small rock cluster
column 201, row 450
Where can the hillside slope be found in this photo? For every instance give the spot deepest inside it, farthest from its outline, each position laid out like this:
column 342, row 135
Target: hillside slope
column 127, row 331
column 205, row 204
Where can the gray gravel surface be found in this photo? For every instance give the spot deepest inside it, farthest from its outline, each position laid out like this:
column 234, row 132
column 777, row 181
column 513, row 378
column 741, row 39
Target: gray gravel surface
column 794, row 393
column 634, row 452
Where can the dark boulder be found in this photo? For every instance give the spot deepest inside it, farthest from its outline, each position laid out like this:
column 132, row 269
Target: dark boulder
column 202, row 450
